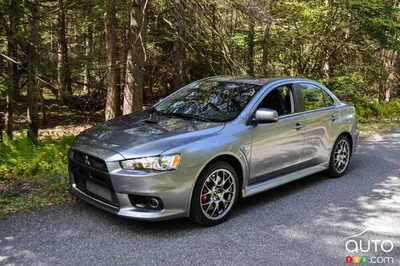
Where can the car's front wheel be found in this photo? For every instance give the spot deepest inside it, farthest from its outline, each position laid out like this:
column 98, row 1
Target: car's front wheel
column 215, row 194
column 340, row 157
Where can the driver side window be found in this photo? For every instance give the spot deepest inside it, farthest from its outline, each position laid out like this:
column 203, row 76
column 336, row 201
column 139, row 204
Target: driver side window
column 279, row 99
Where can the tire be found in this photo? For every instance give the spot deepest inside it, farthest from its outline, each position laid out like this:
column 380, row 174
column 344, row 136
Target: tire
column 215, row 194
column 339, row 162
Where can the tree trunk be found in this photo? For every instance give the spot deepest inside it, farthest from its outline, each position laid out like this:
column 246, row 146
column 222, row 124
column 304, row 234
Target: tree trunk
column 388, row 92
column 250, row 39
column 13, row 75
column 179, row 52
column 266, row 39
column 32, row 66
column 133, row 90
column 125, row 46
column 64, row 76
column 391, row 79
column 88, row 53
column 113, row 104
column 388, row 76
column 214, row 41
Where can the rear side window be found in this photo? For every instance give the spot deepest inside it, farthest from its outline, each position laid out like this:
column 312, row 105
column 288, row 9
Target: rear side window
column 328, row 99
column 313, row 97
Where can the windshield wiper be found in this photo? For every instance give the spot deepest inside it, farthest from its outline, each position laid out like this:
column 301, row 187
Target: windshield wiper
column 152, row 110
column 182, row 115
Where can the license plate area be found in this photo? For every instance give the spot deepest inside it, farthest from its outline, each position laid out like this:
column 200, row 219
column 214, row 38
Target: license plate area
column 99, row 191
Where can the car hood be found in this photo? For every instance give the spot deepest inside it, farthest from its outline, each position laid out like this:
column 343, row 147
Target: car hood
column 145, row 134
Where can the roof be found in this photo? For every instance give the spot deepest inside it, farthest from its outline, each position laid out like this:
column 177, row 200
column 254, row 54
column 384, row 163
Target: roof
column 251, row 80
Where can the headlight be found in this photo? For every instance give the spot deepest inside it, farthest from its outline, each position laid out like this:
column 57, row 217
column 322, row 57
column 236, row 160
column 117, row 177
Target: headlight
column 159, row 163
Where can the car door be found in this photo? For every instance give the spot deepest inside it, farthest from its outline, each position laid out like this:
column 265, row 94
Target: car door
column 277, row 147
column 321, row 122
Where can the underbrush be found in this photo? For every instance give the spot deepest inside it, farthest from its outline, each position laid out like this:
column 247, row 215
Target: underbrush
column 33, row 174
column 377, row 126
column 372, row 110
column 17, row 196
column 375, row 117
column 22, row 159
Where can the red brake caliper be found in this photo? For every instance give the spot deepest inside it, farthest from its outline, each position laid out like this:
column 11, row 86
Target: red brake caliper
column 204, row 198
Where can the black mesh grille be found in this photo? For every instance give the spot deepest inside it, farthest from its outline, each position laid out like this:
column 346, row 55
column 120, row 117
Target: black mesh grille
column 87, row 168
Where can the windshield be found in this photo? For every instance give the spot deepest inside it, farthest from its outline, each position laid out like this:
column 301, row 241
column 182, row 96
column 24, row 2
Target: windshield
column 209, row 100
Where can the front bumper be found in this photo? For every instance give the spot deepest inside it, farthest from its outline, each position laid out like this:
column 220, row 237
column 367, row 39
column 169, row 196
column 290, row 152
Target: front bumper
column 128, row 211
column 173, row 188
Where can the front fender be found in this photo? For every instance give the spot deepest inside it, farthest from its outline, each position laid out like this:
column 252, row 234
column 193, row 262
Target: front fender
column 234, row 140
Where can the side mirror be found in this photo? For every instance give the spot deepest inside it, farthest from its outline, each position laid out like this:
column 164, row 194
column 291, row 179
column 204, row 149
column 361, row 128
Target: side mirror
column 264, row 115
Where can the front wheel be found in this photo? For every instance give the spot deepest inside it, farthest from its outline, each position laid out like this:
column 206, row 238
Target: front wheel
column 340, row 157
column 214, row 195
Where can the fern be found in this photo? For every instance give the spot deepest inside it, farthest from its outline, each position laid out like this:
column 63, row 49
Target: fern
column 22, row 159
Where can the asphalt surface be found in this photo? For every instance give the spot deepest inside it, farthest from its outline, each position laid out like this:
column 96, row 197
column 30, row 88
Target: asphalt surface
column 302, row 223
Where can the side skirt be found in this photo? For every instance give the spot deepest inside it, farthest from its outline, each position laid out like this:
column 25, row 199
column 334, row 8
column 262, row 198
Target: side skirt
column 283, row 179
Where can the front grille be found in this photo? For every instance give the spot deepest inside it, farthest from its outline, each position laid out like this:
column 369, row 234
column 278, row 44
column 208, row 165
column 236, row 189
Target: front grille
column 87, row 170
column 90, row 161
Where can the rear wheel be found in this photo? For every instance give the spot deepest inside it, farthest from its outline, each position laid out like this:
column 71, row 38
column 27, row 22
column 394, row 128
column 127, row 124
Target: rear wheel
column 340, row 157
column 215, row 194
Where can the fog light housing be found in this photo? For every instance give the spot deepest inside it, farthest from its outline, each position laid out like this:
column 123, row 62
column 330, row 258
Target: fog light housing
column 154, row 203
column 146, row 203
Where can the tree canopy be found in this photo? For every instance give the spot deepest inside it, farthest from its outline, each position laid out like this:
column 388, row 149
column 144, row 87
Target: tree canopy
column 119, row 54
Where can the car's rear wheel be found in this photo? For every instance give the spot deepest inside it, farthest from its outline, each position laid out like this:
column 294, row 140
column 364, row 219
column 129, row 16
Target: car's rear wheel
column 215, row 194
column 340, row 157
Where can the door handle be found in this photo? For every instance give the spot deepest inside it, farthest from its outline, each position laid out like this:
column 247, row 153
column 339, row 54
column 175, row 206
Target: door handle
column 333, row 117
column 298, row 126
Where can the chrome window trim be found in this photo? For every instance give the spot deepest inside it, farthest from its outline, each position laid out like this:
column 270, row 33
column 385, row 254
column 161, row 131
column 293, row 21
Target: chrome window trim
column 319, row 109
column 269, row 87
column 289, row 115
column 305, row 112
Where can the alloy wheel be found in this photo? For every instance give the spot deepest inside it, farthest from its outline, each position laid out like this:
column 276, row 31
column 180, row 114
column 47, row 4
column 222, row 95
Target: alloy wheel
column 218, row 194
column 341, row 156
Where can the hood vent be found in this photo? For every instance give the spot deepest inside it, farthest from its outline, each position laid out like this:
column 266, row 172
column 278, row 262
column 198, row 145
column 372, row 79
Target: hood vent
column 148, row 121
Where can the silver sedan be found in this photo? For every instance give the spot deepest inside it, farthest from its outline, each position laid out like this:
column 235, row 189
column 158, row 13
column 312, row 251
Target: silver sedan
column 196, row 152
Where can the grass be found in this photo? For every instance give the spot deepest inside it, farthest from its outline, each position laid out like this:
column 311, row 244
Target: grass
column 374, row 127
column 20, row 196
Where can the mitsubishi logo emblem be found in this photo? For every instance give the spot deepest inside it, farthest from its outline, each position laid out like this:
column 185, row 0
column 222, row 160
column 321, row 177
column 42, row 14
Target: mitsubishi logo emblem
column 87, row 161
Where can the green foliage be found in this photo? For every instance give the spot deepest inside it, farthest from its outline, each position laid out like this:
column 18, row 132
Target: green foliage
column 35, row 175
column 349, row 87
column 345, row 43
column 375, row 127
column 22, row 159
column 375, row 110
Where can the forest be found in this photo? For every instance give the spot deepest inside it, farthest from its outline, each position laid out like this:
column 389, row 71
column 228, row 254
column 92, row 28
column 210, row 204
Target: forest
column 66, row 63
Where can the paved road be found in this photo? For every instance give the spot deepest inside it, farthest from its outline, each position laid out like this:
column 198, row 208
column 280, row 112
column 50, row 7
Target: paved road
column 303, row 223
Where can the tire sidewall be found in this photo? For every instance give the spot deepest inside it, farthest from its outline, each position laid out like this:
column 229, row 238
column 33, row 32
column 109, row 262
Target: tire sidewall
column 332, row 170
column 196, row 213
